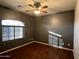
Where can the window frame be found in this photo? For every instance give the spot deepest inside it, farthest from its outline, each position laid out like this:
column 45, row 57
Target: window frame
column 14, row 26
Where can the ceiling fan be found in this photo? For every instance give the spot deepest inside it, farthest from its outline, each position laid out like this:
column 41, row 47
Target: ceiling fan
column 38, row 8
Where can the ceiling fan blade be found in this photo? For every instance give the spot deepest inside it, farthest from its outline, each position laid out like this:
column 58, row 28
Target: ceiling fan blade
column 44, row 11
column 28, row 10
column 45, row 7
column 31, row 5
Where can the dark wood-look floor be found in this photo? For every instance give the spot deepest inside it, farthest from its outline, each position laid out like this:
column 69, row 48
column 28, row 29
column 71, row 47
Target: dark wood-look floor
column 39, row 51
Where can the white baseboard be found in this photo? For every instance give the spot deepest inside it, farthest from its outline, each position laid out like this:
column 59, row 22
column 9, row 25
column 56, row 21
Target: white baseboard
column 53, row 45
column 16, row 47
column 33, row 42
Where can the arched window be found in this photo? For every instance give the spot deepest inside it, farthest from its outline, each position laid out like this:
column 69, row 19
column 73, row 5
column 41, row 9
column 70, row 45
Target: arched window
column 12, row 29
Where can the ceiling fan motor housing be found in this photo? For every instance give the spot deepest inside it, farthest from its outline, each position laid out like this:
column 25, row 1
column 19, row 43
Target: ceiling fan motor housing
column 37, row 4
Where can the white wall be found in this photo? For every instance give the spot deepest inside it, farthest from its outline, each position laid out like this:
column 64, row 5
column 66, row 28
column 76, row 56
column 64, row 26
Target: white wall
column 76, row 32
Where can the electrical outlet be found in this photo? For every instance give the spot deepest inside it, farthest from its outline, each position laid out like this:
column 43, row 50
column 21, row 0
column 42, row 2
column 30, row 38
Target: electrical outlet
column 62, row 43
column 32, row 38
column 68, row 44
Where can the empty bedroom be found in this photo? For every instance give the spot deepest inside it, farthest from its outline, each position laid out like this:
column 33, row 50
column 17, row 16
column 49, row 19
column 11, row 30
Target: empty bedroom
column 39, row 29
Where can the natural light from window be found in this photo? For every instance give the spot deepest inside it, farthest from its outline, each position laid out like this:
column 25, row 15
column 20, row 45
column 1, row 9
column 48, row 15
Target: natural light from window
column 12, row 29
column 12, row 22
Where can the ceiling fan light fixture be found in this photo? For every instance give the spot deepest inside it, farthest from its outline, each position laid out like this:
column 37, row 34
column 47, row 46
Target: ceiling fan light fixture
column 37, row 12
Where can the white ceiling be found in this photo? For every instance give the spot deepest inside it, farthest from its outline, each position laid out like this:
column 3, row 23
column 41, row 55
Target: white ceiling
column 54, row 6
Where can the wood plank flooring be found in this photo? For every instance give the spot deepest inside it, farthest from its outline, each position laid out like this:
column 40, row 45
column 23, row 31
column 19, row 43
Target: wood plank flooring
column 38, row 51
